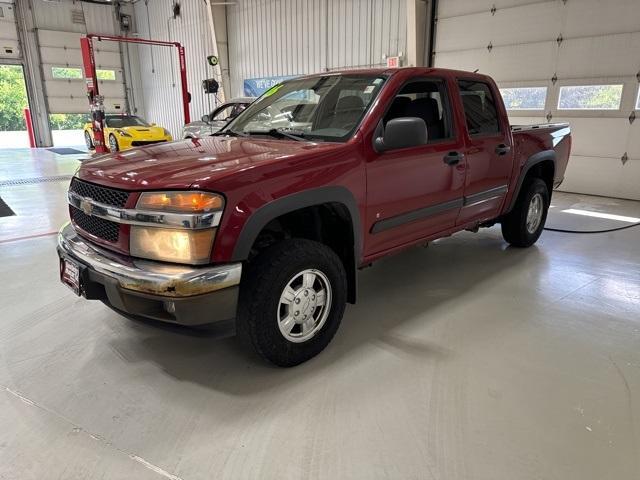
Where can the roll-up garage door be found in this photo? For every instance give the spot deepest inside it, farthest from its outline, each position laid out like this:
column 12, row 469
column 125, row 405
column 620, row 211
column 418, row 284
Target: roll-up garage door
column 8, row 34
column 64, row 77
column 560, row 60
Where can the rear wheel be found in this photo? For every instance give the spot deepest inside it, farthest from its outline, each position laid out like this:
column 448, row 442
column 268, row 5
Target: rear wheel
column 113, row 143
column 292, row 301
column 88, row 141
column 524, row 224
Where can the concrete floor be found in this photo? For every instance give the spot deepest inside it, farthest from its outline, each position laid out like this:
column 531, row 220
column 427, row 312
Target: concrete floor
column 464, row 360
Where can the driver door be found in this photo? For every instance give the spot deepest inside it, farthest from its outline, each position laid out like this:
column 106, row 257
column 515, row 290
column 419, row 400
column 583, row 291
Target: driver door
column 415, row 192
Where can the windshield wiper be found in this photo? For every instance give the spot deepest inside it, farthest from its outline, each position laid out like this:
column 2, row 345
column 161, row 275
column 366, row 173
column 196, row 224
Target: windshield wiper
column 231, row 133
column 280, row 133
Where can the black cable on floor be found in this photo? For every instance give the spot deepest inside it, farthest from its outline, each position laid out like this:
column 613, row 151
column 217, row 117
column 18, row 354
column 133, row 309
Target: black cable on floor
column 561, row 230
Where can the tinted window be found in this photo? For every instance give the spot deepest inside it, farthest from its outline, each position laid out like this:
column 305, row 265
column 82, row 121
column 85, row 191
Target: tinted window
column 479, row 107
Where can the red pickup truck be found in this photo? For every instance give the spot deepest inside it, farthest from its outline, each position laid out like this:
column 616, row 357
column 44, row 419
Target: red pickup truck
column 260, row 229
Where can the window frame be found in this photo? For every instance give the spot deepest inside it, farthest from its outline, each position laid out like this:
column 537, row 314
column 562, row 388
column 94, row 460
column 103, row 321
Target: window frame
column 500, row 118
column 447, row 104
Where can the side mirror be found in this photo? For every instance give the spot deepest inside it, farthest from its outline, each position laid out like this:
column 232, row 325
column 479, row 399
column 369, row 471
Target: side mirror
column 205, row 118
column 402, row 133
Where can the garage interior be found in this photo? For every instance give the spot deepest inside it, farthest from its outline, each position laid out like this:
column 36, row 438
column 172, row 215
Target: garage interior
column 467, row 359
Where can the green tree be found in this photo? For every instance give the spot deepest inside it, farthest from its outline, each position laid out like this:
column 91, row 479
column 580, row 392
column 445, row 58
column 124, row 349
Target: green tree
column 13, row 98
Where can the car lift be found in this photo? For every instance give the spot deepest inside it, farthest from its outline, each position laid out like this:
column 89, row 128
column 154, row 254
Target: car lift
column 96, row 100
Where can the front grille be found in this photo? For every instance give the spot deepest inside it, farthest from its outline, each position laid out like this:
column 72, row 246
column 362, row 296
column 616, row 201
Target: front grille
column 140, row 143
column 101, row 228
column 108, row 196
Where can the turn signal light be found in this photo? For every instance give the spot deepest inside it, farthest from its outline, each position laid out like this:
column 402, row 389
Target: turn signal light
column 180, row 202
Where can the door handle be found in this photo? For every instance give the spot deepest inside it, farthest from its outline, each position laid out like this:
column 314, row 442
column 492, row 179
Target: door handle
column 452, row 158
column 503, row 149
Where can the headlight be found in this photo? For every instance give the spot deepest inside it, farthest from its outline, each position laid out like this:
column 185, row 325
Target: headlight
column 123, row 133
column 175, row 244
column 171, row 245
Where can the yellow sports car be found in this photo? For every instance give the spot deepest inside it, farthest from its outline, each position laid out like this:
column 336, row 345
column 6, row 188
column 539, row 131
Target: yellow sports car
column 126, row 131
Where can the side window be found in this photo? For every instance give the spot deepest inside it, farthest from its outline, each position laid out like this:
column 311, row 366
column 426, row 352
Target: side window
column 479, row 107
column 224, row 113
column 425, row 99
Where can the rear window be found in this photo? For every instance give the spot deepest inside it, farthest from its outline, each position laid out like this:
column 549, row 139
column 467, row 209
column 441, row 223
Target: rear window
column 479, row 107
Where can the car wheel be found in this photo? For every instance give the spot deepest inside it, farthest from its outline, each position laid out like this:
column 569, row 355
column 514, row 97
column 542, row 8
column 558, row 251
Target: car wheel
column 524, row 224
column 88, row 141
column 292, row 300
column 113, row 143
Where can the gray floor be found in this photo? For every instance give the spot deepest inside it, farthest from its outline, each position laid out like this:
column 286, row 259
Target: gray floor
column 464, row 360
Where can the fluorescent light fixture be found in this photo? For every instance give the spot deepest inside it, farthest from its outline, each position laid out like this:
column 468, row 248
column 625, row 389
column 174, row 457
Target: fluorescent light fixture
column 608, row 216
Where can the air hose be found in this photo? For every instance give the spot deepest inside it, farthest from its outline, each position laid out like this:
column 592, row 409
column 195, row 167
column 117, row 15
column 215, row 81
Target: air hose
column 561, row 230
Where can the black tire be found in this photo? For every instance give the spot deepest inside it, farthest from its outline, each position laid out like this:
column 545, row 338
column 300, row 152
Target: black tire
column 113, row 143
column 264, row 281
column 514, row 225
column 88, row 141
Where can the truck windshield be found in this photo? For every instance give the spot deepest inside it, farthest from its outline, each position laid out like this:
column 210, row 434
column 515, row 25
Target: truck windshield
column 328, row 107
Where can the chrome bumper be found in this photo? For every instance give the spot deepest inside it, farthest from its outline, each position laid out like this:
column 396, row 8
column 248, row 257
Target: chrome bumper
column 144, row 276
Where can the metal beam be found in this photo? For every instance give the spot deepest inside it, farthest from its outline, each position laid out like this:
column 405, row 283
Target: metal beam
column 416, row 32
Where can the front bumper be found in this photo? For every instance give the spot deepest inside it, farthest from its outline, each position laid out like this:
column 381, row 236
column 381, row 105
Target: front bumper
column 181, row 294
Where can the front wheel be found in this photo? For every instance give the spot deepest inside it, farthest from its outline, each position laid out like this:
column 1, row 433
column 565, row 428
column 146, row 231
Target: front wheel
column 88, row 141
column 524, row 224
column 113, row 143
column 292, row 301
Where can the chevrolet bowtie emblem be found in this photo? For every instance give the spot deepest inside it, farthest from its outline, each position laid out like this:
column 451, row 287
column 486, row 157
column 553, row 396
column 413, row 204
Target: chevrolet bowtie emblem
column 86, row 206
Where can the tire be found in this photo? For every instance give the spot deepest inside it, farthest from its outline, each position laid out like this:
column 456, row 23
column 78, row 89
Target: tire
column 88, row 141
column 113, row 143
column 267, row 310
column 524, row 224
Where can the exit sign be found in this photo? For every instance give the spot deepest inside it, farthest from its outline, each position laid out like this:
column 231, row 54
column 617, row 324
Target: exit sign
column 393, row 62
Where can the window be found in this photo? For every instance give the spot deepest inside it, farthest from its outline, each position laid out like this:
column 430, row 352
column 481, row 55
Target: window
column 66, row 72
column 74, row 73
column 106, row 74
column 121, row 121
column 479, row 107
column 638, row 101
column 524, row 98
column 223, row 113
column 423, row 99
column 590, row 97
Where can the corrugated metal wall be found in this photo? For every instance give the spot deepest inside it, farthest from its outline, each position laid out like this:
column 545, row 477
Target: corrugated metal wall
column 290, row 37
column 159, row 84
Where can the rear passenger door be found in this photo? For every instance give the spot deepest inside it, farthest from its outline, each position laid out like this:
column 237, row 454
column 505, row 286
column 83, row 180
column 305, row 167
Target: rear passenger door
column 489, row 156
column 417, row 191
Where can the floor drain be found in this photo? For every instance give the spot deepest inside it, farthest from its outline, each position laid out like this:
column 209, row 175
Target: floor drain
column 32, row 181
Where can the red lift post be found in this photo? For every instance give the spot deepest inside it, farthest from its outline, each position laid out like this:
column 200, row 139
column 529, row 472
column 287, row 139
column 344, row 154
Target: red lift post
column 95, row 100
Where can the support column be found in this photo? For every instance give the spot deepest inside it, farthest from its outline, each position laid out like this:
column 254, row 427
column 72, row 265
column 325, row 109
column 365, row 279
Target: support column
column 417, row 35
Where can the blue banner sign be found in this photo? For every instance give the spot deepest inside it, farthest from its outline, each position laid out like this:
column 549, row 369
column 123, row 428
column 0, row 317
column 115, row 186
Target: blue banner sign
column 254, row 87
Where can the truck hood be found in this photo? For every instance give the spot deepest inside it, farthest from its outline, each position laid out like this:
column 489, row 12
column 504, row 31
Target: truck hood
column 182, row 164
